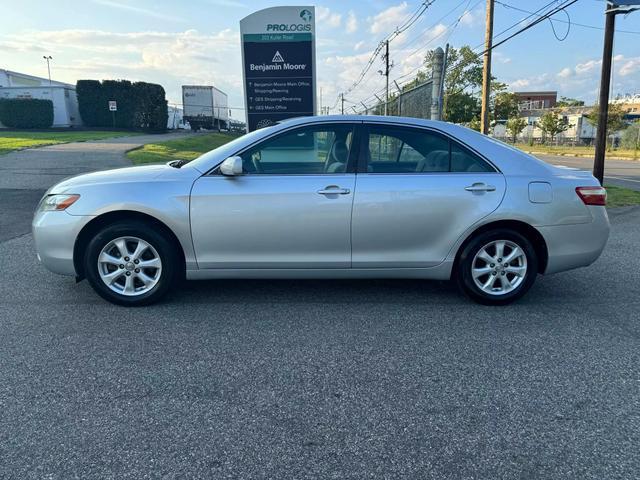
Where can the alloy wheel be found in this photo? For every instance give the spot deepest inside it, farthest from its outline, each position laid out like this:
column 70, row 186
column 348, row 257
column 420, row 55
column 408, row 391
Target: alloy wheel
column 129, row 266
column 499, row 267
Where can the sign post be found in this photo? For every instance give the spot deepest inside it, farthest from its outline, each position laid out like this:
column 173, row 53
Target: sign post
column 278, row 64
column 113, row 108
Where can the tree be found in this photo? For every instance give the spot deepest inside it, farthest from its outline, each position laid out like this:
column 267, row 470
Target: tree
column 569, row 102
column 462, row 108
column 515, row 125
column 505, row 105
column 615, row 119
column 551, row 123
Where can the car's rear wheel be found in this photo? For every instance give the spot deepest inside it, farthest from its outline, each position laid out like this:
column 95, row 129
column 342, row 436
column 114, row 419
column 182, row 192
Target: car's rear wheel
column 130, row 263
column 497, row 267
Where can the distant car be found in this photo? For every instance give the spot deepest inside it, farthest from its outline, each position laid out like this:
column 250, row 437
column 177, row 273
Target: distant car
column 328, row 197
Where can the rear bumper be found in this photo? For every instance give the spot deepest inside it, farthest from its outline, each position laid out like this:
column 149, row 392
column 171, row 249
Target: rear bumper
column 55, row 234
column 573, row 246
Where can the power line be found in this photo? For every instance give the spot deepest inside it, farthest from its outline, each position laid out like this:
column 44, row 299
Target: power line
column 532, row 24
column 448, row 30
column 594, row 27
column 408, row 23
column 541, row 18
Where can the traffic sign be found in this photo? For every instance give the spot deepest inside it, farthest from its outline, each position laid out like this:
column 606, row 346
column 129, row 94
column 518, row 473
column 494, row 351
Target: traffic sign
column 113, row 106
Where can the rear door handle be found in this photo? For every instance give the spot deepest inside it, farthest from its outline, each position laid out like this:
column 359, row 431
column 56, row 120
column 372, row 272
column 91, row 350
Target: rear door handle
column 480, row 187
column 334, row 190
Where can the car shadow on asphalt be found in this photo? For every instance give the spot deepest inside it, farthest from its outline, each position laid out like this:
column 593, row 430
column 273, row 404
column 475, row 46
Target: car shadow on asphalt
column 316, row 291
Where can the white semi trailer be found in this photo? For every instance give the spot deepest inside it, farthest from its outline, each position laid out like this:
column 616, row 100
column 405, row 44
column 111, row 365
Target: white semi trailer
column 205, row 107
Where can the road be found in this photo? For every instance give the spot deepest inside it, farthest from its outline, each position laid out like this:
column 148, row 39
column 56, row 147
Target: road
column 621, row 173
column 320, row 379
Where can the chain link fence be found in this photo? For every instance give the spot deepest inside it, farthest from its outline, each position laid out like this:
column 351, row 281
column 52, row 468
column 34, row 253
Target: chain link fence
column 412, row 102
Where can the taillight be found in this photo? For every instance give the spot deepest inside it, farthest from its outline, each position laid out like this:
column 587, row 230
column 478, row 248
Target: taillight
column 592, row 195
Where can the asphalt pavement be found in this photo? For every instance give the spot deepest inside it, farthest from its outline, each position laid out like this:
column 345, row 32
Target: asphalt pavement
column 322, row 379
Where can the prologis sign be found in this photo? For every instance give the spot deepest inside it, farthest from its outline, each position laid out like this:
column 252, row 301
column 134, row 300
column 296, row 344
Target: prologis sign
column 278, row 60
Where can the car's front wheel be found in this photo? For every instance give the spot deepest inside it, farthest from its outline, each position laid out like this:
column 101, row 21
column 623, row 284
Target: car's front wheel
column 497, row 267
column 130, row 263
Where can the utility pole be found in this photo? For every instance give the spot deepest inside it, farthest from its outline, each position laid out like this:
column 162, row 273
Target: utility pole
column 605, row 84
column 48, row 58
column 386, row 74
column 342, row 103
column 486, row 69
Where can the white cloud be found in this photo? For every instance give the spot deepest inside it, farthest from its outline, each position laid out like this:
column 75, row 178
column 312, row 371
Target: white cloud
column 520, row 83
column 468, row 18
column 630, row 67
column 586, row 67
column 500, row 57
column 565, row 72
column 387, row 20
column 582, row 80
column 352, row 22
column 170, row 59
column 326, row 17
column 359, row 45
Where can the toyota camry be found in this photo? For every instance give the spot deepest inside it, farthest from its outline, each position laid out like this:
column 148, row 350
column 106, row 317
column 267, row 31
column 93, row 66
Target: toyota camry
column 328, row 197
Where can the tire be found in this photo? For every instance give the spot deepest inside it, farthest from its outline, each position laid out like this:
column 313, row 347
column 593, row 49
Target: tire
column 144, row 282
column 497, row 283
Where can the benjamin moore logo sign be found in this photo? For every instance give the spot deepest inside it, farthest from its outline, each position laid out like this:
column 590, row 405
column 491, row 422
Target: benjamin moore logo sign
column 277, row 58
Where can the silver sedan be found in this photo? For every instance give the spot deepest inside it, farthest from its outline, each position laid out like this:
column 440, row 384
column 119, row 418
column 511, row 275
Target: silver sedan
column 328, row 197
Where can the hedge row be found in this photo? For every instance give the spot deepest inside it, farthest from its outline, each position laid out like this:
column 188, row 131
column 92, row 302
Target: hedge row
column 140, row 105
column 26, row 113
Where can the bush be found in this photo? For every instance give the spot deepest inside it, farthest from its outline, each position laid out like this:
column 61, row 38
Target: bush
column 631, row 136
column 26, row 113
column 141, row 105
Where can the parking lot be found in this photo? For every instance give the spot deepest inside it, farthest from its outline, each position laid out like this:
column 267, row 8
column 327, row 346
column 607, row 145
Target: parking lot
column 312, row 379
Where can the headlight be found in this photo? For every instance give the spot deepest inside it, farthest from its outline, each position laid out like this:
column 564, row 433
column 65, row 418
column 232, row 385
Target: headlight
column 58, row 202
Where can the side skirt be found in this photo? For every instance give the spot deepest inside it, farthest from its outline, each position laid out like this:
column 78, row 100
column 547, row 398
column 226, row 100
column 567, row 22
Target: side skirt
column 440, row 272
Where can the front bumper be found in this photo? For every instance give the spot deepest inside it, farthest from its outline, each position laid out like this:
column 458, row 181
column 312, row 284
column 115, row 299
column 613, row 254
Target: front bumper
column 579, row 245
column 55, row 235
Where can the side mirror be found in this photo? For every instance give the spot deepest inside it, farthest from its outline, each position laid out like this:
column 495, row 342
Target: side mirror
column 231, row 167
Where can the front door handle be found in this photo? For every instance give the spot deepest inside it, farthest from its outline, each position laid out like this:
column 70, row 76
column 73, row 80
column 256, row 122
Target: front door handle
column 480, row 187
column 334, row 190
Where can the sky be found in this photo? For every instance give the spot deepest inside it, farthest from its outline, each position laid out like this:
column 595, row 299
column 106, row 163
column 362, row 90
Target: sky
column 198, row 42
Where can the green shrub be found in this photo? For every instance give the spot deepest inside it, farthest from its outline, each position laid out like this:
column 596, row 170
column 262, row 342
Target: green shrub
column 26, row 113
column 141, row 105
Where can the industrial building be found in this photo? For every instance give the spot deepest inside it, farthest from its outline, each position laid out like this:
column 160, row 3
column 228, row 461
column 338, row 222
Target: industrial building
column 63, row 95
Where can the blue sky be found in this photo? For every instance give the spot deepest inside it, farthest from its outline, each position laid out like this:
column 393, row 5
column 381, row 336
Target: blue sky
column 197, row 42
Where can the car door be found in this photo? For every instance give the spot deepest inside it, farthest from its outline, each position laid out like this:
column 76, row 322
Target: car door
column 417, row 192
column 291, row 208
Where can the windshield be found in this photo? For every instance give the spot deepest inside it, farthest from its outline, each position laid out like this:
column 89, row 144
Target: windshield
column 203, row 162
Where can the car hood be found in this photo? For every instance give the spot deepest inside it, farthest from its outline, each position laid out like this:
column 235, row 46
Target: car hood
column 143, row 173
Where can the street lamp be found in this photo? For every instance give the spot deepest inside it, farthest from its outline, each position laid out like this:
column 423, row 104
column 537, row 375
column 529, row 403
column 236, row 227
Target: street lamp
column 48, row 58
